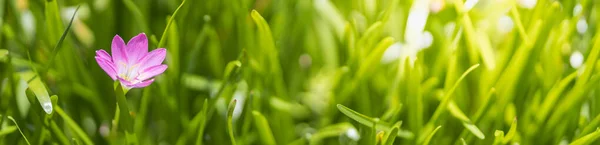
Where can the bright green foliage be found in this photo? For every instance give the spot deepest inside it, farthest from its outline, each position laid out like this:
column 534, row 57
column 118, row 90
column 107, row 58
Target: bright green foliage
column 297, row 72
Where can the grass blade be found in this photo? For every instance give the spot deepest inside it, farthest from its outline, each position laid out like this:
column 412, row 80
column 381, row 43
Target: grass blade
column 444, row 104
column 499, row 134
column 38, row 88
column 264, row 131
column 162, row 38
column 593, row 124
column 329, row 131
column 73, row 125
column 229, row 123
column 512, row 132
column 471, row 127
column 61, row 39
column 391, row 136
column 267, row 43
column 202, row 125
column 448, row 95
column 7, row 130
column 587, row 139
column 137, row 14
column 362, row 119
column 428, row 138
column 18, row 128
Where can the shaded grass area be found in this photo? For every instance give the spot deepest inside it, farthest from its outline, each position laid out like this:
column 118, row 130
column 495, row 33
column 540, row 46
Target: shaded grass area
column 305, row 72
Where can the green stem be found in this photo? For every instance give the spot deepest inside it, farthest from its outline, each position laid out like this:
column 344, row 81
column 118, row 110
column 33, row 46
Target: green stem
column 115, row 124
column 57, row 133
column 125, row 118
column 73, row 125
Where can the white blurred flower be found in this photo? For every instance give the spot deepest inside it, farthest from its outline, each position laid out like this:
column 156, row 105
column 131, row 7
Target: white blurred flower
column 67, row 12
column 469, row 4
column 576, row 59
column 578, row 8
column 582, row 26
column 353, row 134
column 528, row 4
column 240, row 96
column 449, row 29
column 417, row 18
column 426, row 40
column 505, row 24
column 28, row 24
column 585, row 110
column 436, row 6
column 104, row 130
column 392, row 53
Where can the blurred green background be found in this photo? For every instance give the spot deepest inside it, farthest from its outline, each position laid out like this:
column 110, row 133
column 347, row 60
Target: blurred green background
column 306, row 72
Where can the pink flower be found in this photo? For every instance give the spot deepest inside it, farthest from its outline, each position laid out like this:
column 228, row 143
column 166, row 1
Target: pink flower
column 131, row 63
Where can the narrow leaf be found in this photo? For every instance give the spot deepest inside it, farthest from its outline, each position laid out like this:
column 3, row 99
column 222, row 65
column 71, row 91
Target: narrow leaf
column 162, row 38
column 264, row 131
column 391, row 136
column 471, row 127
column 360, row 118
column 38, row 88
column 18, row 128
column 229, row 123
column 587, row 139
column 499, row 134
column 511, row 132
column 7, row 130
column 73, row 125
column 428, row 138
column 61, row 39
column 202, row 122
column 330, row 131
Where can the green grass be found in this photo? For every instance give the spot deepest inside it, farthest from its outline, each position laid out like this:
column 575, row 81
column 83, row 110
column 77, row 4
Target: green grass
column 294, row 72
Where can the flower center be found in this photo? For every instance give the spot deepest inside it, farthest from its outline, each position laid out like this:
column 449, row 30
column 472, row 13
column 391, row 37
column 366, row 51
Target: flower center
column 129, row 72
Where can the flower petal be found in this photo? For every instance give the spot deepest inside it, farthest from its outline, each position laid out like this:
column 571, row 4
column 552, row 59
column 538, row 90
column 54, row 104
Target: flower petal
column 119, row 56
column 137, row 48
column 142, row 84
column 155, row 57
column 151, row 72
column 103, row 54
column 125, row 83
column 107, row 66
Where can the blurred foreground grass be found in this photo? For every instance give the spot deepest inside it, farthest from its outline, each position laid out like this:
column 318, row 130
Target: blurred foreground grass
column 306, row 72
